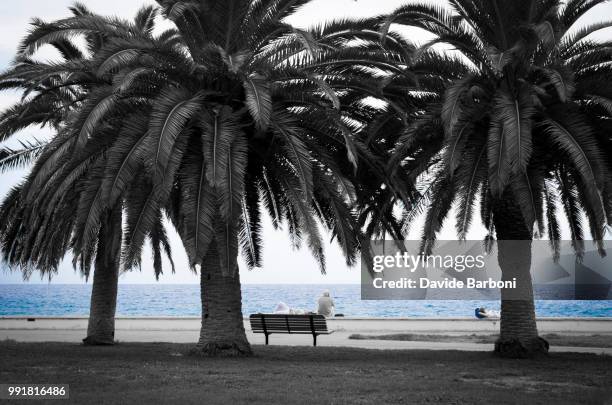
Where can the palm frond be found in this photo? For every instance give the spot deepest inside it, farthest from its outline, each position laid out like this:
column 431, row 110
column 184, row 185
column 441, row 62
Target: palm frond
column 11, row 159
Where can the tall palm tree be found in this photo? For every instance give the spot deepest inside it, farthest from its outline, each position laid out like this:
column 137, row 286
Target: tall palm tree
column 232, row 118
column 521, row 128
column 44, row 217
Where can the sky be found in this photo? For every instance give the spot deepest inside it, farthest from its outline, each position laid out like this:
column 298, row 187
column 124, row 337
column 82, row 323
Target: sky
column 281, row 263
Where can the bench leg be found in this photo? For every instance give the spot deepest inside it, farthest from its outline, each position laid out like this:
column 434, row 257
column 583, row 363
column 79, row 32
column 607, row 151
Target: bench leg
column 314, row 340
column 267, row 339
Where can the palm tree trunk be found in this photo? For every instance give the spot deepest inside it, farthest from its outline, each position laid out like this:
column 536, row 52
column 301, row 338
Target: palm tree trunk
column 518, row 330
column 222, row 331
column 101, row 325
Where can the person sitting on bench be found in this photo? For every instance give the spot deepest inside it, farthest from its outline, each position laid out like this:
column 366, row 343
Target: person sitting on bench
column 325, row 305
column 284, row 309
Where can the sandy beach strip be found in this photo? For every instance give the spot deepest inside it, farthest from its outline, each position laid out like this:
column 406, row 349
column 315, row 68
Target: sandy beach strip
column 185, row 330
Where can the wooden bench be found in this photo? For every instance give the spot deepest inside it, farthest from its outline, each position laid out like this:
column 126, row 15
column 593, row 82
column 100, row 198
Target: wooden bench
column 268, row 324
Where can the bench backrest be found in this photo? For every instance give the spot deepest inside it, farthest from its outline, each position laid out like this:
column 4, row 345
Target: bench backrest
column 278, row 323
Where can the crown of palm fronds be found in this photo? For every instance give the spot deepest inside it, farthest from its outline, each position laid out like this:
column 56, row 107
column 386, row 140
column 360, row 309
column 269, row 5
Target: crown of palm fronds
column 524, row 114
column 230, row 112
column 56, row 208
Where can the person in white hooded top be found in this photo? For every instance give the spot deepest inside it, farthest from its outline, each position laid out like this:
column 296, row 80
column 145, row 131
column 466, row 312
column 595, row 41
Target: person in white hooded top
column 325, row 305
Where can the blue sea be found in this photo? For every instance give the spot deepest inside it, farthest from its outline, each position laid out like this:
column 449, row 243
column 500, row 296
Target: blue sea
column 184, row 301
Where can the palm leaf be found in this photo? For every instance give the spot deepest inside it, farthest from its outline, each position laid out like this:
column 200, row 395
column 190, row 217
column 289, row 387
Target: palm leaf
column 515, row 115
column 499, row 162
column 259, row 100
column 11, row 159
column 171, row 112
column 296, row 152
column 198, row 206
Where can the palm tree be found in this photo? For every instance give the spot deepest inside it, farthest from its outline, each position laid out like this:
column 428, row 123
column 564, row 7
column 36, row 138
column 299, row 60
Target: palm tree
column 38, row 218
column 233, row 117
column 521, row 128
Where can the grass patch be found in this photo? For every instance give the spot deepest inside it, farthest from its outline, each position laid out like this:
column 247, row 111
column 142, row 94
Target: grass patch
column 165, row 373
column 553, row 338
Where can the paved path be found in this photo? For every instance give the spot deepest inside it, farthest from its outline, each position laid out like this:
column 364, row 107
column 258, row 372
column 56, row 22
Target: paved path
column 186, row 331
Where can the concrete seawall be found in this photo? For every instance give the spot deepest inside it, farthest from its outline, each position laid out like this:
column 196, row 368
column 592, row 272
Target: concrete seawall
column 186, row 330
column 352, row 325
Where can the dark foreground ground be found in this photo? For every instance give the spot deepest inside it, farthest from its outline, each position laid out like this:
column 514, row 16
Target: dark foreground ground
column 552, row 338
column 165, row 373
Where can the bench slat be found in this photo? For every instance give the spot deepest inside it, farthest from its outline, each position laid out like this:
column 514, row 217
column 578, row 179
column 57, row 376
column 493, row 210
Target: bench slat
column 270, row 328
column 284, row 330
column 291, row 323
column 288, row 323
column 283, row 316
column 284, row 327
column 283, row 322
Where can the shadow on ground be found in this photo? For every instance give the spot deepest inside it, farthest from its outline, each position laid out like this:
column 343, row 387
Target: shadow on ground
column 594, row 340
